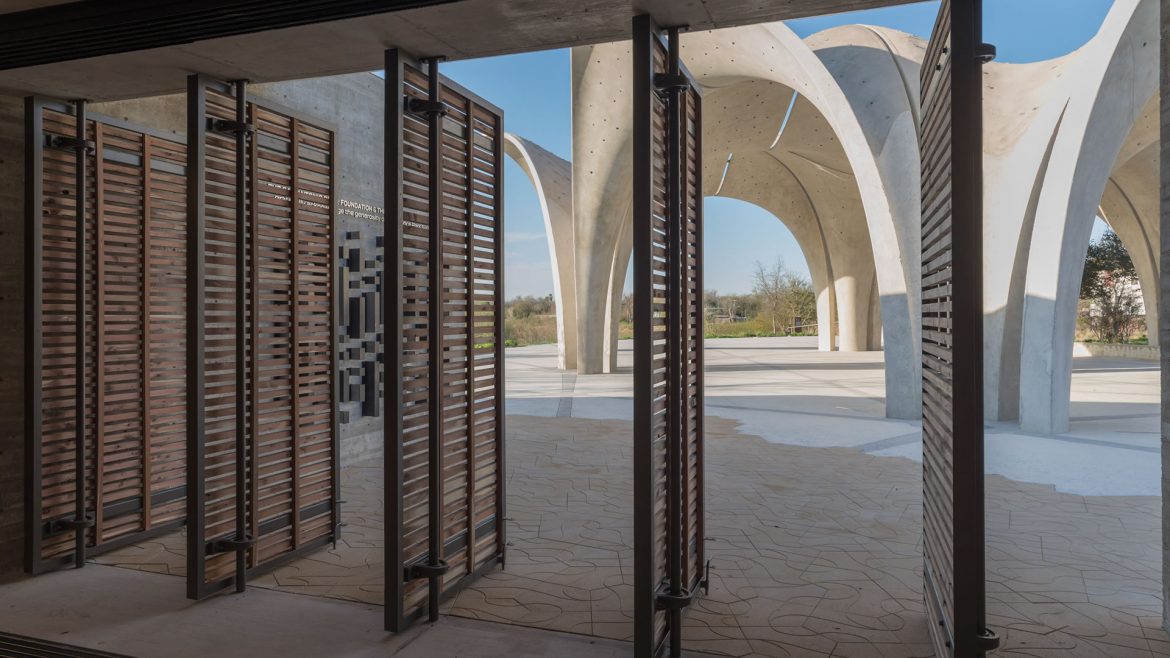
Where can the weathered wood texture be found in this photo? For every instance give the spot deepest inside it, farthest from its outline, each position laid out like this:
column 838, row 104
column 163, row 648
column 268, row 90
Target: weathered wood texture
column 291, row 425
column 12, row 336
column 135, row 411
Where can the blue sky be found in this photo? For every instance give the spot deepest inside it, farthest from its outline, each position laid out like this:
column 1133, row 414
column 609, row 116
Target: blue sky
column 533, row 90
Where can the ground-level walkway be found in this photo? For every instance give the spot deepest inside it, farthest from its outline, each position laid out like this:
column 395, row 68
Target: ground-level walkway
column 814, row 517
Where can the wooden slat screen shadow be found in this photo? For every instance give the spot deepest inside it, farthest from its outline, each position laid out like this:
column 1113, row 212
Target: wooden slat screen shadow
column 135, row 423
column 291, row 429
column 668, row 429
column 469, row 303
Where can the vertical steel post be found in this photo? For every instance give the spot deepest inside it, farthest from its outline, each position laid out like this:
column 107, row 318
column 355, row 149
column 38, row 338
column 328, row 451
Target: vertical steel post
column 241, row 136
column 498, row 339
column 80, row 520
column 196, row 332
column 971, row 635
column 34, row 178
column 675, row 387
column 644, row 494
column 392, row 339
column 435, row 342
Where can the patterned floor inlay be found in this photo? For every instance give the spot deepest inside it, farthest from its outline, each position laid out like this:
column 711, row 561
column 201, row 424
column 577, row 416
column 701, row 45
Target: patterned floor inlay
column 814, row 552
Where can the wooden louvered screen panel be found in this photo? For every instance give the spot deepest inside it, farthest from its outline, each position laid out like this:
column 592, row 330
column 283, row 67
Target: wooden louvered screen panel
column 290, row 433
column 468, row 304
column 692, row 496
column 668, row 335
column 213, row 469
column 660, row 389
column 937, row 439
column 291, row 418
column 135, row 394
column 952, row 339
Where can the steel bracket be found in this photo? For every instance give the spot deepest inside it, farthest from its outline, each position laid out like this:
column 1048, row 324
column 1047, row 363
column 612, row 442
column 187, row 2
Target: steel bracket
column 985, row 53
column 425, row 570
column 226, row 545
column 64, row 143
column 59, row 526
column 426, row 107
column 671, row 82
column 987, row 640
column 664, row 600
column 229, row 127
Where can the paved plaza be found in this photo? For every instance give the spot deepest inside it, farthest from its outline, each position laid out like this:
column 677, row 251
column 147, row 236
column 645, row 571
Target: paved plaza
column 814, row 514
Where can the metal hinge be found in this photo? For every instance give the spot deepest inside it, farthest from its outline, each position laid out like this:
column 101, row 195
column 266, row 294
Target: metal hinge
column 59, row 526
column 988, row 640
column 664, row 600
column 667, row 81
column 227, row 545
column 425, row 107
column 420, row 570
column 985, row 53
column 69, row 143
column 229, row 127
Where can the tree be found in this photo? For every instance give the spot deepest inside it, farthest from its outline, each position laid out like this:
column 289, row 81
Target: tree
column 783, row 297
column 1110, row 295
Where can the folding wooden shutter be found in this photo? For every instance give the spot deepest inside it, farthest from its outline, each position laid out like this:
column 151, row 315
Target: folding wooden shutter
column 134, row 391
column 288, row 451
column 952, row 334
column 444, row 299
column 668, row 335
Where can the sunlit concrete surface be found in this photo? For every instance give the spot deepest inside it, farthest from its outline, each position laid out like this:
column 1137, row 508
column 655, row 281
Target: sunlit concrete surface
column 814, row 515
column 785, row 391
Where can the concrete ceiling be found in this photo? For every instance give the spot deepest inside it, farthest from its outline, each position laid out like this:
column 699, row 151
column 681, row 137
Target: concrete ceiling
column 456, row 30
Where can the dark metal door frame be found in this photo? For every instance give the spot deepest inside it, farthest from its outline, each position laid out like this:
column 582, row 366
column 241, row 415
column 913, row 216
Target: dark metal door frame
column 668, row 418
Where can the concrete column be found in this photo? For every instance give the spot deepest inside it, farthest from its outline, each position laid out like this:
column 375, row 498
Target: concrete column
column 1115, row 77
column 12, row 334
column 552, row 177
column 602, row 188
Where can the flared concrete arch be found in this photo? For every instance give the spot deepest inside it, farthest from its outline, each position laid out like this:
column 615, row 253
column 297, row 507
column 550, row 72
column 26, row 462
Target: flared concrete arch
column 819, row 202
column 552, row 176
column 602, row 192
column 1130, row 207
column 873, row 144
column 871, row 112
column 1119, row 70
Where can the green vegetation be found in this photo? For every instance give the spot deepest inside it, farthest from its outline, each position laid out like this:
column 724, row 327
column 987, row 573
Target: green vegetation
column 1111, row 308
column 530, row 321
column 781, row 304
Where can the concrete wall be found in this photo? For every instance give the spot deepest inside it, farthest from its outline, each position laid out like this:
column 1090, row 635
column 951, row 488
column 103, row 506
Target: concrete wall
column 11, row 336
column 1112, row 351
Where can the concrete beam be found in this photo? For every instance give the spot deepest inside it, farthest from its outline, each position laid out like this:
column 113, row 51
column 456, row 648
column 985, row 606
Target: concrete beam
column 457, row 30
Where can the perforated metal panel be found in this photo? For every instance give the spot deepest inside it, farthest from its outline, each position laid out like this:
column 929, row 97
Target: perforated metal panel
column 134, row 421
column 444, row 298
